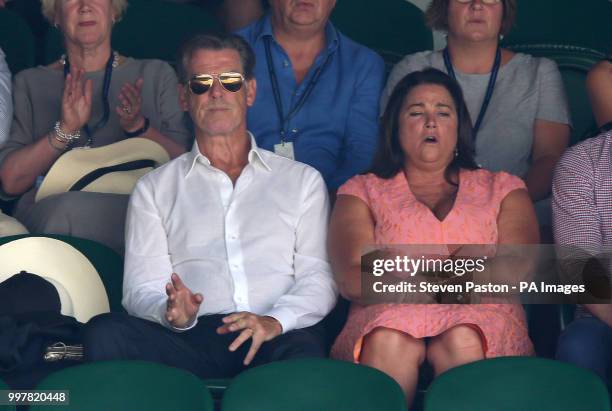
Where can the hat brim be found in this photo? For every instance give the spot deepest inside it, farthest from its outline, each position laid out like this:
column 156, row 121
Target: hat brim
column 114, row 168
column 60, row 263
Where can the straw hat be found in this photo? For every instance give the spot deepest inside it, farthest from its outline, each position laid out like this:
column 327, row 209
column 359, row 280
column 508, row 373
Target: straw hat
column 114, row 168
column 77, row 282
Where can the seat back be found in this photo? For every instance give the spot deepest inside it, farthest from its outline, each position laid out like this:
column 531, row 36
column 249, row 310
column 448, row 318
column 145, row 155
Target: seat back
column 149, row 29
column 17, row 41
column 4, row 386
column 576, row 22
column 127, row 385
column 393, row 28
column 574, row 64
column 313, row 384
column 517, row 383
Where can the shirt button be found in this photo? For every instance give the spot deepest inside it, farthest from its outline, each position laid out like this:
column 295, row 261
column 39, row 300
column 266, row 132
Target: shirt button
column 285, row 63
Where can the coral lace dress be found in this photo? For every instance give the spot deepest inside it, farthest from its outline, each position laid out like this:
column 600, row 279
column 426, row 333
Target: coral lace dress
column 401, row 219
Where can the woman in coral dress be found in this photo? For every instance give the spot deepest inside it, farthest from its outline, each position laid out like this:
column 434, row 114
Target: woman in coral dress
column 425, row 188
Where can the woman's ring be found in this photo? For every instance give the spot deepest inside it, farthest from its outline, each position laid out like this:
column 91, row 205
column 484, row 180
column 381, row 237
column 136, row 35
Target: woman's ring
column 127, row 109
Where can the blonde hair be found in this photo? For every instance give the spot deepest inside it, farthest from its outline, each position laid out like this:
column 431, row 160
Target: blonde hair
column 49, row 9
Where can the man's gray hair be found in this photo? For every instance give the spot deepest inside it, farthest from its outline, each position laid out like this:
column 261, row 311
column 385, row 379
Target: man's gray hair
column 215, row 42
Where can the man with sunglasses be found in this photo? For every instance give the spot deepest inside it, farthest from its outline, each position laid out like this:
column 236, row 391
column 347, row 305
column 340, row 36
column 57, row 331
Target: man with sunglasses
column 225, row 244
column 319, row 90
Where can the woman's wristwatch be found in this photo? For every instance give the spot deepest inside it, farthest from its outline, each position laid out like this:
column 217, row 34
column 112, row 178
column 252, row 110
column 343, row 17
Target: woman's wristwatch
column 140, row 131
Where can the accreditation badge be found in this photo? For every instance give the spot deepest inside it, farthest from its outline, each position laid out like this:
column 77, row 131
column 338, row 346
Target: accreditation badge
column 285, row 149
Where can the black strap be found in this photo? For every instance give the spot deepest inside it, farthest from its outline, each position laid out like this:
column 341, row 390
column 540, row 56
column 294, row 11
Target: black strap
column 283, row 120
column 97, row 173
column 492, row 79
column 108, row 73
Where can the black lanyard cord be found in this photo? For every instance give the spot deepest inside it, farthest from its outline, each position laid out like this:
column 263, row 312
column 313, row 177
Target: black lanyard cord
column 490, row 86
column 283, row 120
column 108, row 73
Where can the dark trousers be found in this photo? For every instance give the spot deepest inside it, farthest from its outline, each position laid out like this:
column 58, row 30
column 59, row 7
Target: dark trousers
column 200, row 350
column 587, row 343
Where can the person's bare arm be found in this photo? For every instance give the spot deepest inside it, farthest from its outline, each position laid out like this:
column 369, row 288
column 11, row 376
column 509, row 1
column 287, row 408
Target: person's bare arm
column 599, row 85
column 21, row 168
column 351, row 229
column 549, row 142
column 517, row 226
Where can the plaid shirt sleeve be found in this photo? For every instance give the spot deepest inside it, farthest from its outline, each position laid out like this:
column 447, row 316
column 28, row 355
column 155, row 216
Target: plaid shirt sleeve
column 575, row 216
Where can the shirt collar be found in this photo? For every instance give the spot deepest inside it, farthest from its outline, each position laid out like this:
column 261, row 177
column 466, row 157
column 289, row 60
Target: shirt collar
column 255, row 157
column 265, row 30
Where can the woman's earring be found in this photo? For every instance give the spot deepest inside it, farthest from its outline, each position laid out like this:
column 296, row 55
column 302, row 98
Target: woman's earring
column 456, row 152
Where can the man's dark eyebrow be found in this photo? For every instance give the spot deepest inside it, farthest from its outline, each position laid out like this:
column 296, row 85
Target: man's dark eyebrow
column 416, row 104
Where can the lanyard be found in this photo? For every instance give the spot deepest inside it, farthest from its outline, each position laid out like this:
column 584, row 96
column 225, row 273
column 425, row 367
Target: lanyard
column 108, row 73
column 490, row 86
column 283, row 120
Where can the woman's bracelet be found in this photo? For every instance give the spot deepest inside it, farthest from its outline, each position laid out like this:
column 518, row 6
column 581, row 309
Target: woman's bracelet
column 52, row 136
column 65, row 137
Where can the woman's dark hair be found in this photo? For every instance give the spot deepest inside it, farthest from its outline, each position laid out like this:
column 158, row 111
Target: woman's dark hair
column 390, row 158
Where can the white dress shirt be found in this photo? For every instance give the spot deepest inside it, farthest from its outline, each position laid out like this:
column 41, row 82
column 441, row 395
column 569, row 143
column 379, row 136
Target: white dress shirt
column 258, row 246
column 6, row 100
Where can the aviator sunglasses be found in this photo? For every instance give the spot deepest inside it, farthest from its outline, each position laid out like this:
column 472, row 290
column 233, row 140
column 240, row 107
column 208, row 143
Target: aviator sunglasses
column 484, row 1
column 201, row 83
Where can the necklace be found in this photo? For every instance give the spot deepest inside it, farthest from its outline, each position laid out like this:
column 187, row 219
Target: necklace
column 64, row 59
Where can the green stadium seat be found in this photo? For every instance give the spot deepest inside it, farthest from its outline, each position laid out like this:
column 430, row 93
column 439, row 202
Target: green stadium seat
column 576, row 22
column 393, row 28
column 574, row 64
column 127, row 385
column 149, row 29
column 4, row 386
column 217, row 387
column 107, row 263
column 313, row 384
column 517, row 383
column 17, row 41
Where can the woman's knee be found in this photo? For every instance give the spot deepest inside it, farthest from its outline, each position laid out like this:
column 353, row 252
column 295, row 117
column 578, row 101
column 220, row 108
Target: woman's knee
column 456, row 345
column 460, row 339
column 395, row 345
